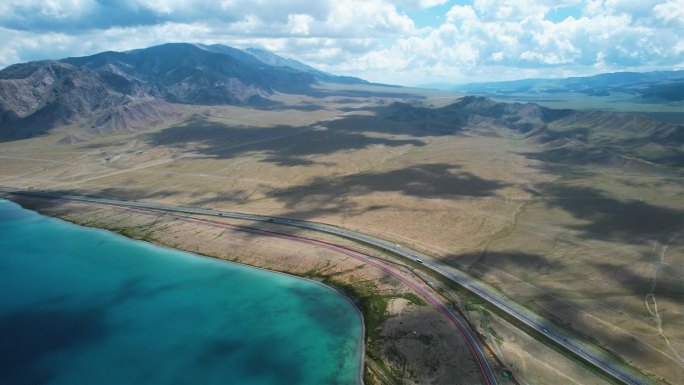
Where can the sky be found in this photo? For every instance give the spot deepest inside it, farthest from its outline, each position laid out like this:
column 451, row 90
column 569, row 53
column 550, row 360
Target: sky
column 407, row 42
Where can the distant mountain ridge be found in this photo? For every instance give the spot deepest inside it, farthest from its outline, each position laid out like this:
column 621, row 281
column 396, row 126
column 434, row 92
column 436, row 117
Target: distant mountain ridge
column 278, row 61
column 571, row 136
column 124, row 91
column 661, row 85
column 89, row 90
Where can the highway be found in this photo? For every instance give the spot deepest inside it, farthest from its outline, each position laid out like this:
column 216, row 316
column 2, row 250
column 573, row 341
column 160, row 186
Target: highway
column 583, row 350
column 470, row 339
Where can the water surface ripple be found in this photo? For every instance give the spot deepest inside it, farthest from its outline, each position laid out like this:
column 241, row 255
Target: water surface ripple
column 85, row 306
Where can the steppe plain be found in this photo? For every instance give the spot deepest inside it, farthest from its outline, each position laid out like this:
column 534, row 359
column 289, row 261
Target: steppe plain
column 586, row 231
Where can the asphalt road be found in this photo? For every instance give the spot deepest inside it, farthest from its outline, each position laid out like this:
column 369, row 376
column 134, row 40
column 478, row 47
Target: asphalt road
column 589, row 353
column 465, row 331
column 467, row 334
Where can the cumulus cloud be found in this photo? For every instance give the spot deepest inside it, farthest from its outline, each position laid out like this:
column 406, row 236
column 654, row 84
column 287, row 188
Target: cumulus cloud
column 670, row 12
column 74, row 15
column 491, row 39
column 375, row 39
column 422, row 4
column 328, row 27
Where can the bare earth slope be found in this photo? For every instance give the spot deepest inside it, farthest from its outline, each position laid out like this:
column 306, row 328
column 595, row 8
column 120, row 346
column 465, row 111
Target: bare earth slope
column 577, row 215
column 106, row 91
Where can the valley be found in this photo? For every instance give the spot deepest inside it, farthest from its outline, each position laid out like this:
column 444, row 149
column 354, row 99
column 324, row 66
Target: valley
column 575, row 215
column 654, row 94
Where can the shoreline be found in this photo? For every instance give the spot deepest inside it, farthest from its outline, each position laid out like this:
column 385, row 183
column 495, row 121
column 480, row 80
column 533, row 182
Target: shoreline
column 393, row 318
column 331, row 287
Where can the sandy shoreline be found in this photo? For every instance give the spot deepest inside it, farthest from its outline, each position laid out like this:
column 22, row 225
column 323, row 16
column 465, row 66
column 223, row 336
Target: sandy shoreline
column 404, row 341
column 384, row 358
column 337, row 290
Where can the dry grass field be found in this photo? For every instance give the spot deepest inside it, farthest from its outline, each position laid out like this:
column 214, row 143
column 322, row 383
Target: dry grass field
column 588, row 234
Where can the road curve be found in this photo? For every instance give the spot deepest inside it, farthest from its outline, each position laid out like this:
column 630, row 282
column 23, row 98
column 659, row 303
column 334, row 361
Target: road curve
column 470, row 339
column 465, row 331
column 589, row 353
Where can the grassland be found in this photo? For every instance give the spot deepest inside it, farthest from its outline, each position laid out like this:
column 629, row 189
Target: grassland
column 669, row 111
column 593, row 242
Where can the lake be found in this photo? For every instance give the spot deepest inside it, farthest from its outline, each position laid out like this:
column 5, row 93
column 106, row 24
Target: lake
column 86, row 306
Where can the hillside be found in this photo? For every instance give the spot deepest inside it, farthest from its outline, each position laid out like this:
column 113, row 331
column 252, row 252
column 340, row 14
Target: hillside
column 574, row 213
column 572, row 137
column 657, row 95
column 90, row 90
column 657, row 86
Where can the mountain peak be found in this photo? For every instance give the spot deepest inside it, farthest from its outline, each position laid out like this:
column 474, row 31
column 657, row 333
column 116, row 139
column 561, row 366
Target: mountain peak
column 36, row 96
column 278, row 61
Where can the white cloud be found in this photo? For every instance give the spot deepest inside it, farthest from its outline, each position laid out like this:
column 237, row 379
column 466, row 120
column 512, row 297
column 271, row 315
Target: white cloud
column 299, row 24
column 421, row 4
column 634, row 8
column 363, row 17
column 515, row 34
column 461, row 13
column 671, row 11
column 369, row 38
column 430, row 3
column 519, row 9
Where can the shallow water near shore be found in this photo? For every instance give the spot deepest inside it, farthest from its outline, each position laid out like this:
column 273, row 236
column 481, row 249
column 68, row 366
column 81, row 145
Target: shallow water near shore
column 85, row 306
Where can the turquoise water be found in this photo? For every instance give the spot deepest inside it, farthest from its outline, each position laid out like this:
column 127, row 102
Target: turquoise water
column 84, row 306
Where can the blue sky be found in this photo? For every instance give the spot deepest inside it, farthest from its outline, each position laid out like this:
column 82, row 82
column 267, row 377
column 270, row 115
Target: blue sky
column 406, row 42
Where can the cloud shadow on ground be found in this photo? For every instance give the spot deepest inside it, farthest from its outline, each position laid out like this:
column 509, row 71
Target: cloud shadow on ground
column 283, row 145
column 611, row 219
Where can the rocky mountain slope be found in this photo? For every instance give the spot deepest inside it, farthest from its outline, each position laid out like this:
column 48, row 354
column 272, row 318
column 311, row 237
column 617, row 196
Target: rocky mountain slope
column 122, row 91
column 663, row 86
column 571, row 136
column 90, row 90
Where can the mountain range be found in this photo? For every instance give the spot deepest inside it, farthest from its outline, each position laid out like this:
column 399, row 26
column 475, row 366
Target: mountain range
column 661, row 86
column 570, row 136
column 581, row 198
column 123, row 91
column 137, row 87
